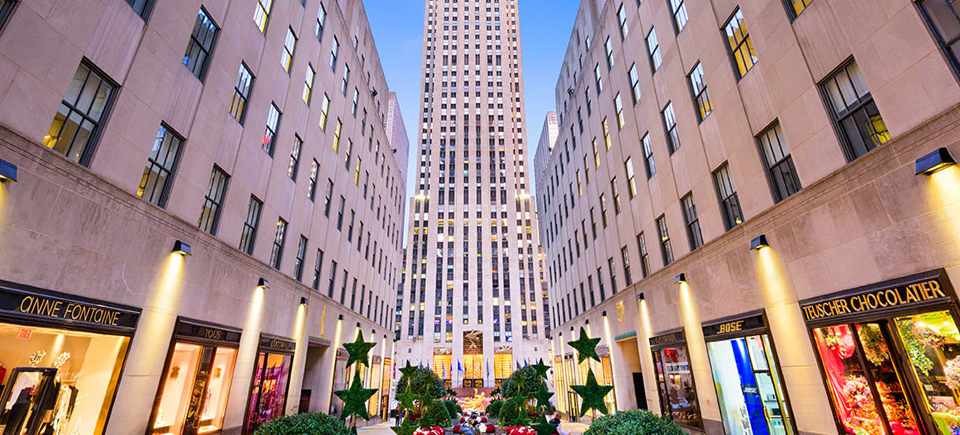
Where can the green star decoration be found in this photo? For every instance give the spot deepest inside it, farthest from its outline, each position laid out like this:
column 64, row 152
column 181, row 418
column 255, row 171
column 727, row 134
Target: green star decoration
column 359, row 349
column 543, row 427
column 586, row 347
column 406, row 427
column 408, row 371
column 543, row 398
column 355, row 399
column 407, row 398
column 541, row 368
column 592, row 394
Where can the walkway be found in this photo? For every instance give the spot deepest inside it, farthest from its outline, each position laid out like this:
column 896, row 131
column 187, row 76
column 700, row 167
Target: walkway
column 384, row 429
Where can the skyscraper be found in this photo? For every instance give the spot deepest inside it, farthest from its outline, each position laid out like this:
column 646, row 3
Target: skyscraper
column 473, row 302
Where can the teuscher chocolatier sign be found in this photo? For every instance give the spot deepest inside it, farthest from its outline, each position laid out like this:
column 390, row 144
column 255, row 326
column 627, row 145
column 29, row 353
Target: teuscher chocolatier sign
column 927, row 287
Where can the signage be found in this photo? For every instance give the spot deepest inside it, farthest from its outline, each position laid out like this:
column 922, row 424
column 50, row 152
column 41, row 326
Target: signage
column 876, row 298
column 191, row 329
column 62, row 308
column 277, row 344
column 735, row 326
column 667, row 339
column 24, row 333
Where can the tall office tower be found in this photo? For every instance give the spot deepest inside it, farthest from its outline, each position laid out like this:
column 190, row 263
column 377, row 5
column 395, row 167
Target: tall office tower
column 473, row 306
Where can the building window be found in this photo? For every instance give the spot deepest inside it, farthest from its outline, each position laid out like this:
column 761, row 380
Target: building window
column 606, row 133
column 213, row 200
column 294, row 158
column 356, row 101
column 598, row 78
column 76, row 125
column 729, row 201
column 631, row 178
column 625, row 258
column 650, row 165
column 618, row 104
column 353, row 220
column 301, row 255
column 943, row 17
column 692, row 221
column 201, row 44
column 270, row 133
column 286, row 57
column 644, row 258
column 308, row 87
column 798, row 6
column 741, row 48
column 603, row 291
column 250, row 224
column 158, row 174
column 312, row 186
column 666, row 249
column 262, row 14
column 317, row 267
column 780, row 169
column 241, row 92
column 603, row 210
column 700, row 95
column 622, row 19
column 346, row 80
column 334, row 51
column 324, row 111
column 634, row 83
column 679, row 14
column 616, row 195
column 340, row 213
column 140, row 7
column 321, row 21
column 336, row 136
column 328, row 197
column 608, row 46
column 670, row 121
column 653, row 47
column 861, row 127
column 276, row 254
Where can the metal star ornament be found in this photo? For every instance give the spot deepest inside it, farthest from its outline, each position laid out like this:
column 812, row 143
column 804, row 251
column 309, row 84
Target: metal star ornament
column 358, row 350
column 541, row 368
column 543, row 427
column 586, row 347
column 592, row 394
column 355, row 399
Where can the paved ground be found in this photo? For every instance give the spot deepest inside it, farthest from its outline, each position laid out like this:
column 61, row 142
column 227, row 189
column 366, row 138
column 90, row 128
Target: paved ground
column 384, row 429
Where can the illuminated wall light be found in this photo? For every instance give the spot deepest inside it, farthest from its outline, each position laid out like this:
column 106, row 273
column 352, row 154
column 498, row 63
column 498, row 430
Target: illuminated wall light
column 610, row 343
column 263, row 284
column 182, row 248
column 304, row 301
column 680, row 279
column 933, row 162
column 8, row 172
column 333, row 364
column 759, row 242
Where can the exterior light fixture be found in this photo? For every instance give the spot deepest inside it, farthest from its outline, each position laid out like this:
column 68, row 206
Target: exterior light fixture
column 304, row 301
column 935, row 161
column 263, row 283
column 340, row 317
column 603, row 314
column 8, row 172
column 587, row 322
column 179, row 247
column 640, row 296
column 759, row 242
column 680, row 279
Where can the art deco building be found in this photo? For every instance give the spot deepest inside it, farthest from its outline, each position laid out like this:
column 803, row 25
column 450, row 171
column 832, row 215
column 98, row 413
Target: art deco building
column 473, row 306
column 198, row 205
column 754, row 206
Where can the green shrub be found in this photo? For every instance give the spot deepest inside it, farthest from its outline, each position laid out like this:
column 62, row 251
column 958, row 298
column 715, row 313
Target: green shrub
column 310, row 423
column 493, row 409
column 522, row 383
column 513, row 412
column 452, row 408
column 435, row 414
column 634, row 422
column 424, row 383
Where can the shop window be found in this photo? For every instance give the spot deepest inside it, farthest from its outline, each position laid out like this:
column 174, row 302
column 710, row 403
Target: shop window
column 58, row 381
column 749, row 387
column 268, row 394
column 678, row 394
column 932, row 342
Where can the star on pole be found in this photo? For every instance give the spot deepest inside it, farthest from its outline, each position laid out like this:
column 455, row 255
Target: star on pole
column 408, row 371
column 586, row 347
column 355, row 399
column 543, row 398
column 541, row 368
column 592, row 394
column 358, row 350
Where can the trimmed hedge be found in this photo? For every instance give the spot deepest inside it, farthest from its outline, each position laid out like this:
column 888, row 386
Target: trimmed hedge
column 634, row 422
column 493, row 409
column 513, row 412
column 309, row 423
column 452, row 408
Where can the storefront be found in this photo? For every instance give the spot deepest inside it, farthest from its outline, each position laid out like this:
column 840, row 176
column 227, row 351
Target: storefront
column 61, row 357
column 678, row 392
column 193, row 392
column 747, row 377
column 271, row 378
column 889, row 354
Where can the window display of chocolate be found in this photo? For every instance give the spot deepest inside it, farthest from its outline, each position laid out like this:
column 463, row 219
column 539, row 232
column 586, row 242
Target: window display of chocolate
column 749, row 387
column 57, row 381
column 268, row 394
column 678, row 393
column 893, row 371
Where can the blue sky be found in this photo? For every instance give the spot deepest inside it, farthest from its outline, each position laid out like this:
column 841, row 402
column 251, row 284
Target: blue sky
column 545, row 27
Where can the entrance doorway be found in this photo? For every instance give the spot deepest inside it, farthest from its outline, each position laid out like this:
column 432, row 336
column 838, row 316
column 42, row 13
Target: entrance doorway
column 631, row 360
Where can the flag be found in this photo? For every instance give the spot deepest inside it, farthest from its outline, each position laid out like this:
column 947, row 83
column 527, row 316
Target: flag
column 459, row 367
column 443, row 370
column 488, row 368
column 526, row 363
